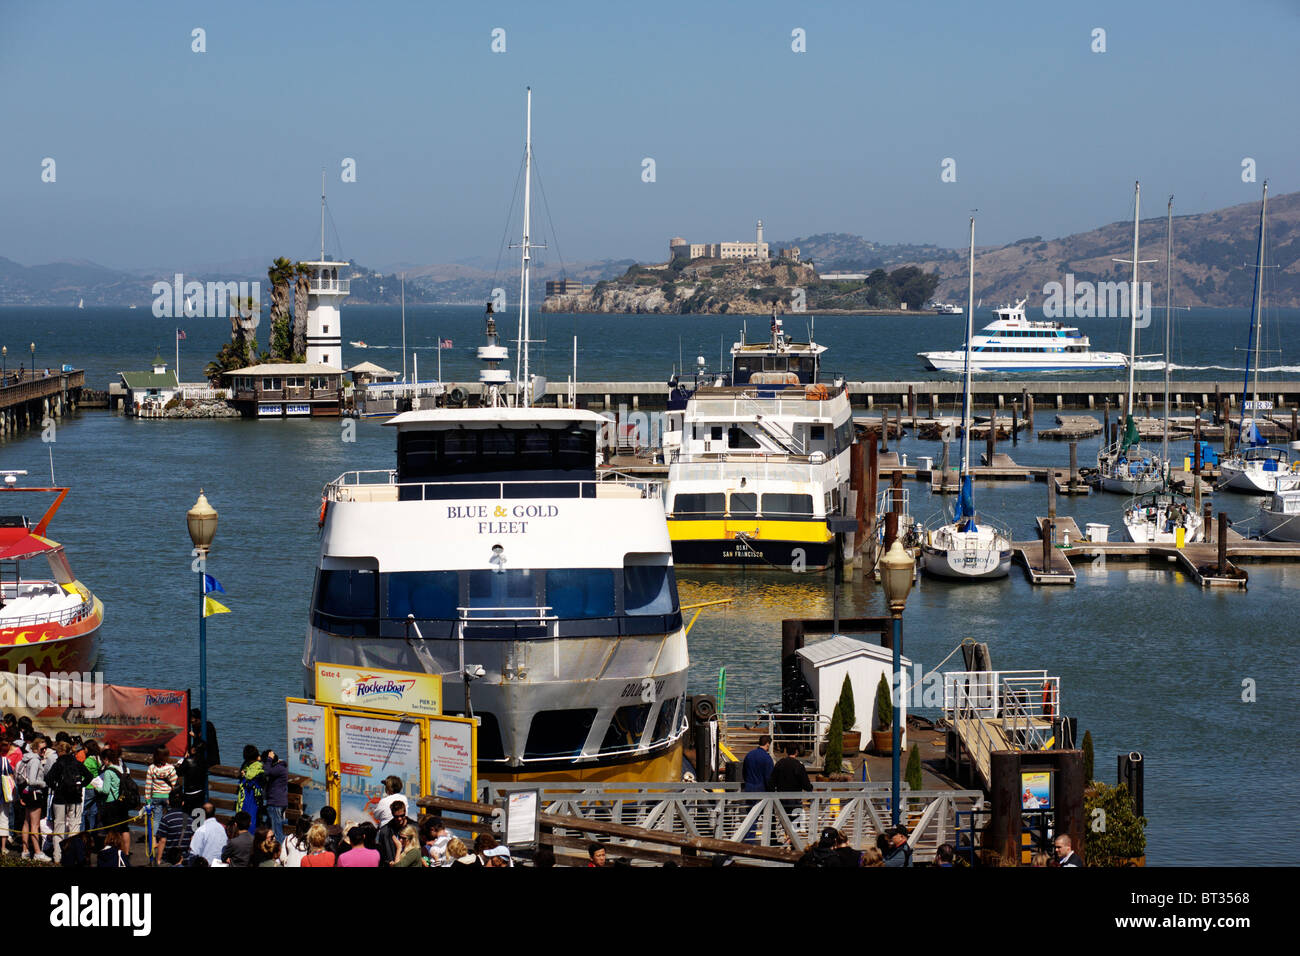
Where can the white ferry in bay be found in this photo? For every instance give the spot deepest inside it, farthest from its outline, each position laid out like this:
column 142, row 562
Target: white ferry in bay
column 759, row 462
column 1014, row 343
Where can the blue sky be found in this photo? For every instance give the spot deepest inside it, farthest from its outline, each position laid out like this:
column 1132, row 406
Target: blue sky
column 170, row 158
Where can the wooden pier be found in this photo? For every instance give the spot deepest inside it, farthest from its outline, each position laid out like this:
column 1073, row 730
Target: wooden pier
column 29, row 402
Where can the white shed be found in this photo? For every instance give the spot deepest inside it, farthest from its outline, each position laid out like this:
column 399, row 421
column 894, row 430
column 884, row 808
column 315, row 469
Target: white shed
column 825, row 663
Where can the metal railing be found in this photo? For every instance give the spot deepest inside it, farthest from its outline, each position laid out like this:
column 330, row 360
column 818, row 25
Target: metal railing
column 991, row 693
column 804, row 730
column 329, row 285
column 336, row 490
column 204, row 392
column 772, row 425
column 795, row 820
column 67, row 616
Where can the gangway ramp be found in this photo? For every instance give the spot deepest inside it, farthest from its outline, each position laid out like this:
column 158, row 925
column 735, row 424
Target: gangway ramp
column 992, row 711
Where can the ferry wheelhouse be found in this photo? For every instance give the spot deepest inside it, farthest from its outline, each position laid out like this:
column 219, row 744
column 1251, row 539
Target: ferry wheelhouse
column 760, row 461
column 1014, row 343
column 49, row 621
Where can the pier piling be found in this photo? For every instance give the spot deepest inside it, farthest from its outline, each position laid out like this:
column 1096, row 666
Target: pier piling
column 1074, row 465
column 1223, row 542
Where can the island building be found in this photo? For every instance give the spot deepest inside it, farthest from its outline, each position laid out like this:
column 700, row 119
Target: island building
column 152, row 390
column 679, row 248
column 565, row 287
column 287, row 390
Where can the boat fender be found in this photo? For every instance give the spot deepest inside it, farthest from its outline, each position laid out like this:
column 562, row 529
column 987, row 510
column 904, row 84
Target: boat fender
column 458, row 396
column 324, row 504
column 704, row 707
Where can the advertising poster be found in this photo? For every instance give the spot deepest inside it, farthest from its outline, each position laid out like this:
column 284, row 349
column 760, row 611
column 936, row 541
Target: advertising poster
column 452, row 756
column 399, row 692
column 370, row 749
column 137, row 719
column 307, row 755
column 1036, row 790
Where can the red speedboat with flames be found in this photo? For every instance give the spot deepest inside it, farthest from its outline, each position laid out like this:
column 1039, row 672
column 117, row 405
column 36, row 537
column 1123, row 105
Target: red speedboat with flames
column 49, row 621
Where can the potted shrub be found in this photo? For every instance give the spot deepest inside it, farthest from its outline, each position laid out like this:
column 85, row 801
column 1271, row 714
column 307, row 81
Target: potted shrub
column 882, row 738
column 852, row 736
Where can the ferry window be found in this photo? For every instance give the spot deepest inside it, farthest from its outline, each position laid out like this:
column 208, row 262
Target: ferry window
column 649, row 589
column 625, row 730
column 715, row 433
column 418, row 454
column 774, row 363
column 666, row 722
column 459, row 451
column 348, row 594
column 497, row 444
column 783, row 504
column 429, row 595
column 535, row 445
column 559, row 733
column 503, row 589
column 580, row 592
column 737, row 437
column 575, row 449
column 817, row 432
column 698, row 505
column 743, row 505
column 742, row 370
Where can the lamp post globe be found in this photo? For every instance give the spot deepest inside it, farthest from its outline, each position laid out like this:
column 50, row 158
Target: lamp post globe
column 33, row 360
column 897, row 568
column 202, row 522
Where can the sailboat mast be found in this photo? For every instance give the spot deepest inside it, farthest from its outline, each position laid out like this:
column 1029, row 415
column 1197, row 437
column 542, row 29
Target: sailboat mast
column 965, row 399
column 403, row 328
column 1169, row 276
column 528, row 180
column 1252, row 345
column 322, row 215
column 1133, row 300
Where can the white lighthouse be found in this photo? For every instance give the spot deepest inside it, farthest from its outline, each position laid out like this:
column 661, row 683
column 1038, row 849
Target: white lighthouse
column 326, row 292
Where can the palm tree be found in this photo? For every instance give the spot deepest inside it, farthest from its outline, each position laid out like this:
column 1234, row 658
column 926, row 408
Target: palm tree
column 241, row 350
column 280, row 273
column 302, row 284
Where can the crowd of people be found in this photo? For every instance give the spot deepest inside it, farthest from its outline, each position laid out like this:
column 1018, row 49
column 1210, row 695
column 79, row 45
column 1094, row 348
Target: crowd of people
column 72, row 801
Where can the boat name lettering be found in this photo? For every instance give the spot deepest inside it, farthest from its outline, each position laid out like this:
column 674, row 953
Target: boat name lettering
column 503, row 527
column 638, row 688
column 475, row 512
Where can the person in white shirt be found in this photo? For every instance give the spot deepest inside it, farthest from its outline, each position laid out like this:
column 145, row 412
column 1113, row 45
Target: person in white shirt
column 393, row 792
column 210, row 839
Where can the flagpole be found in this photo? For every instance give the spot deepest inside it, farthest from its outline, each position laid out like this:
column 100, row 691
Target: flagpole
column 178, row 357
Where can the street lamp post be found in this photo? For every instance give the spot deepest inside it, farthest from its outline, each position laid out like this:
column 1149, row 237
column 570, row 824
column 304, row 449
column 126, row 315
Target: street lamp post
column 33, row 360
column 4, row 362
column 897, row 569
column 202, row 523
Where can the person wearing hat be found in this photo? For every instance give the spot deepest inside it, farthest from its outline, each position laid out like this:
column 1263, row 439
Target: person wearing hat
column 822, row 853
column 900, row 851
column 498, row 856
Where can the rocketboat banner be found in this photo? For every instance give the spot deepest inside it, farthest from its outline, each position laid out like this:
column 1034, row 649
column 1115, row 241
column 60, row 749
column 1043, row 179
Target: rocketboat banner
column 399, row 692
column 134, row 718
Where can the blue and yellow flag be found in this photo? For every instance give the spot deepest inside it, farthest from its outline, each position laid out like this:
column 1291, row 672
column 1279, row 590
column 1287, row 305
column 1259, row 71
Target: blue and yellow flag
column 212, row 606
column 211, row 584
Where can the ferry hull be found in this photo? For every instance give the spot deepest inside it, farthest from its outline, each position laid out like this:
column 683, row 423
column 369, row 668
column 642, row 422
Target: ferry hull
column 956, row 362
column 41, row 649
column 754, row 553
column 524, row 678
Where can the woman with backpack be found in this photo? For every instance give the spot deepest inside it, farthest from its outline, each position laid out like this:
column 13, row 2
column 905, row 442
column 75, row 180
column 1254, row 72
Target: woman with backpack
column 32, row 793
column 119, row 797
column 251, row 797
column 94, row 766
column 67, row 781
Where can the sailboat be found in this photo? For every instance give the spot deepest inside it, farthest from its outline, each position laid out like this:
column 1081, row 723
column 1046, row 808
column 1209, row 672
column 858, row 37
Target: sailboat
column 1124, row 466
column 1157, row 516
column 1256, row 467
column 966, row 547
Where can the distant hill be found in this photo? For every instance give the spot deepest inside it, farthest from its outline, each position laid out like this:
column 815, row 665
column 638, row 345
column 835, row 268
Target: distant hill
column 1214, row 258
column 1214, row 255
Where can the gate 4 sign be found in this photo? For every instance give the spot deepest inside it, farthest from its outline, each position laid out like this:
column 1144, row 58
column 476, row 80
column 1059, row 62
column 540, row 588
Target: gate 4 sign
column 399, row 692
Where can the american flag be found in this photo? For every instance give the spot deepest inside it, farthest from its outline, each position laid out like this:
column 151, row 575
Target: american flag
column 180, row 334
column 444, row 344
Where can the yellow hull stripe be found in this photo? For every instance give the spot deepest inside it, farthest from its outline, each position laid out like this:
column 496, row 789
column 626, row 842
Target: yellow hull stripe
column 665, row 767
column 682, row 529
